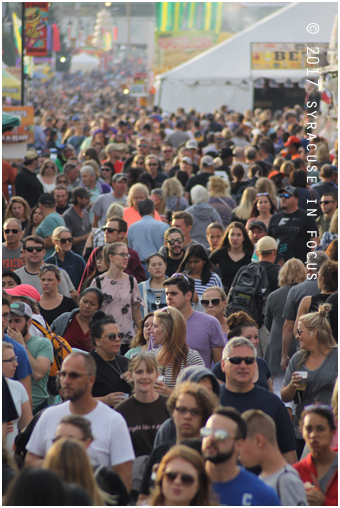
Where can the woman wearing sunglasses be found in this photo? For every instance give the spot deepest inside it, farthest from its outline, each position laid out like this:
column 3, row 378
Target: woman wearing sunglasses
column 318, row 360
column 106, row 172
column 47, row 175
column 122, row 298
column 113, row 382
column 63, row 256
column 19, row 396
column 182, row 480
column 319, row 470
column 214, row 302
column 263, row 208
column 240, row 324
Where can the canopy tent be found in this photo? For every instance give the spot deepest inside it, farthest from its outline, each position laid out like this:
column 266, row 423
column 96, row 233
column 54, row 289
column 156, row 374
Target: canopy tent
column 84, row 62
column 223, row 74
column 11, row 86
column 9, row 122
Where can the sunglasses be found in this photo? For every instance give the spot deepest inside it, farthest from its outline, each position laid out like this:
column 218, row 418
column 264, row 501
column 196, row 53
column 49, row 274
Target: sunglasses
column 312, row 407
column 184, row 410
column 110, row 230
column 172, row 242
column 113, row 336
column 181, row 276
column 49, row 167
column 286, row 196
column 167, row 151
column 10, row 360
column 299, row 331
column 49, row 268
column 144, row 146
column 72, row 375
column 219, row 434
column 63, row 182
column 106, row 169
column 32, row 249
column 186, row 479
column 152, row 164
column 14, row 231
column 326, row 202
column 237, row 360
column 214, row 302
column 64, row 240
column 122, row 254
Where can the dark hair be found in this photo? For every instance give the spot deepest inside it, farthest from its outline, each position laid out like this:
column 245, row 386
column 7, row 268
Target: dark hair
column 94, row 272
column 139, row 339
column 146, row 207
column 186, row 216
column 122, row 224
column 59, row 187
column 238, row 172
column 171, row 230
column 237, row 322
column 31, row 223
column 200, row 252
column 254, row 211
column 93, row 154
column 329, row 272
column 148, row 259
column 97, row 323
column 182, row 284
column 32, row 238
column 321, row 411
column 298, row 178
column 147, row 180
column 97, row 291
column 247, row 245
column 5, row 301
column 233, row 414
column 9, row 273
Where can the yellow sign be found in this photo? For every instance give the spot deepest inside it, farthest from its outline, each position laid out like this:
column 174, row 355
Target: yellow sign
column 286, row 55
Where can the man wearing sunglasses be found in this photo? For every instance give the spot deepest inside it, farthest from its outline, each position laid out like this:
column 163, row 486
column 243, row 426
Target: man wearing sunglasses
column 112, row 445
column 174, row 244
column 11, row 248
column 223, row 437
column 52, row 220
column 329, row 204
column 143, row 146
column 239, row 365
column 292, row 226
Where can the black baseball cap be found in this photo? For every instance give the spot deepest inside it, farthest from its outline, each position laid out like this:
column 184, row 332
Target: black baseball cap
column 258, row 224
column 290, row 190
column 47, row 199
column 80, row 192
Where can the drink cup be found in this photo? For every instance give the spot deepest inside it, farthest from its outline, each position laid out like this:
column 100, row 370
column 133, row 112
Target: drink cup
column 125, row 396
column 303, row 375
column 160, row 378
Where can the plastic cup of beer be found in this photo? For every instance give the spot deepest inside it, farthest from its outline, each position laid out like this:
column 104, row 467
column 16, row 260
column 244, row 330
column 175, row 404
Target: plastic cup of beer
column 303, row 378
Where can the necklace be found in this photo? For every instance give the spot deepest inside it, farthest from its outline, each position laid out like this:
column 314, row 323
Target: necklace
column 119, row 371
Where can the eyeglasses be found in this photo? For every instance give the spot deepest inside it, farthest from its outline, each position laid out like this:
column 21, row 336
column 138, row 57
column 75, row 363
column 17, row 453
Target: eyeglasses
column 72, row 375
column 285, row 195
column 98, row 259
column 299, row 331
column 152, row 164
column 32, row 249
column 186, row 479
column 214, row 302
column 184, row 410
column 262, row 194
column 144, row 146
column 113, row 336
column 237, row 360
column 219, row 434
column 110, row 230
column 6, row 316
column 312, row 407
column 14, row 231
column 326, row 202
column 172, row 242
column 181, row 276
column 64, row 240
column 122, row 254
column 10, row 360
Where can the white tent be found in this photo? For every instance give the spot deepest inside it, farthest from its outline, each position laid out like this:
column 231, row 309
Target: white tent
column 84, row 62
column 223, row 74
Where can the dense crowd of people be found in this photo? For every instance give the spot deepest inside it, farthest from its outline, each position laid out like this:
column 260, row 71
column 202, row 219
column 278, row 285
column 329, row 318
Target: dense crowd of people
column 169, row 312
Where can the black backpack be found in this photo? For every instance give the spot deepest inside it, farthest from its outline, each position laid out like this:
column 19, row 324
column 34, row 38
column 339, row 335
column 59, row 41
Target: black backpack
column 249, row 292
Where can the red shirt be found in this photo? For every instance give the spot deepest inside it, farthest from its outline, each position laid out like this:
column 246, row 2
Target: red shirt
column 8, row 178
column 77, row 338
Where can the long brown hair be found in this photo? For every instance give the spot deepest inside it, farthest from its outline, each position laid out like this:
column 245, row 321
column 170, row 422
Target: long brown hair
column 174, row 349
column 247, row 245
column 23, row 202
column 254, row 211
column 139, row 339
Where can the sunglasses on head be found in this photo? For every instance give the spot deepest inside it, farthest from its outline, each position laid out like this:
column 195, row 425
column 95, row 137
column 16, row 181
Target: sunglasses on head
column 181, row 276
column 237, row 360
column 324, row 407
column 8, row 230
column 49, row 268
column 32, row 249
column 64, row 240
column 215, row 302
column 285, row 195
column 186, row 479
column 262, row 194
column 114, row 336
column 172, row 242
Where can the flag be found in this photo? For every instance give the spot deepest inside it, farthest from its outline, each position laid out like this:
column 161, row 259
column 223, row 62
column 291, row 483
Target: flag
column 17, row 32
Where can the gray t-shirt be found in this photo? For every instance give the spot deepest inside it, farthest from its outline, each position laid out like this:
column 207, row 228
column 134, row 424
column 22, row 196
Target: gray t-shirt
column 319, row 384
column 78, row 226
column 32, row 279
column 296, row 294
column 11, row 258
column 288, row 486
column 103, row 203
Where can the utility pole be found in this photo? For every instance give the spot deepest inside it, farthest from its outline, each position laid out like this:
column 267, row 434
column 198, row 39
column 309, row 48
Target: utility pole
column 22, row 53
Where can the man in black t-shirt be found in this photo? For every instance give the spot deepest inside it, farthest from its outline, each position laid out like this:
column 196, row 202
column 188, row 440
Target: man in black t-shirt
column 296, row 232
column 207, row 170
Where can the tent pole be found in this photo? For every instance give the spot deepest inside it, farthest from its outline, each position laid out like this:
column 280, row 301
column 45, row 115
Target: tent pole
column 22, row 53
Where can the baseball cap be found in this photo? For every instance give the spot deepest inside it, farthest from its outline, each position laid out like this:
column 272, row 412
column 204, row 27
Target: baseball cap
column 80, row 192
column 187, row 159
column 47, row 199
column 21, row 309
column 31, row 154
column 111, row 147
column 290, row 190
column 275, row 173
column 266, row 243
column 292, row 140
column 225, row 152
column 118, row 177
column 191, row 143
column 26, row 291
column 207, row 160
column 258, row 224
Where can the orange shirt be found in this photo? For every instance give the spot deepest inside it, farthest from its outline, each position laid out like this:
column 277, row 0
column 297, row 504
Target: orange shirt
column 8, row 178
column 131, row 216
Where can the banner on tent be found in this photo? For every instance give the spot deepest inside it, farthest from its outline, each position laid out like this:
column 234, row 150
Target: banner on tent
column 286, row 56
column 25, row 132
column 36, row 17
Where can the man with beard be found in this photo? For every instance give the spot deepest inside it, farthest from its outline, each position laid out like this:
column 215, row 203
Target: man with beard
column 174, row 244
column 39, row 351
column 112, row 445
column 223, row 435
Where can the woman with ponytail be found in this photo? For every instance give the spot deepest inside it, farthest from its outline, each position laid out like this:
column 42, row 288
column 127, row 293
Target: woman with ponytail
column 318, row 358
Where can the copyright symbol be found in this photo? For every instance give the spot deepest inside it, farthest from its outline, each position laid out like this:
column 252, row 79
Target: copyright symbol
column 313, row 28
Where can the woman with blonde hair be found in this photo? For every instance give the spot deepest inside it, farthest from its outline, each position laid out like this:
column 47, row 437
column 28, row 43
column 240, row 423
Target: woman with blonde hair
column 219, row 198
column 322, row 155
column 70, row 132
column 286, row 168
column 137, row 192
column 173, row 195
column 68, row 458
column 171, row 350
column 292, row 273
column 317, row 361
column 18, row 209
column 181, row 467
column 242, row 212
column 47, row 175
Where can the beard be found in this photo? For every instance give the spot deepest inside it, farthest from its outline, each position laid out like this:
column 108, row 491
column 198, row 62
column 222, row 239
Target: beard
column 218, row 458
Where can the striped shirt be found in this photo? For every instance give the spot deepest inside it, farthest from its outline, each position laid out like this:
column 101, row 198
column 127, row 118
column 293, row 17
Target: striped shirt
column 213, row 281
column 193, row 358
